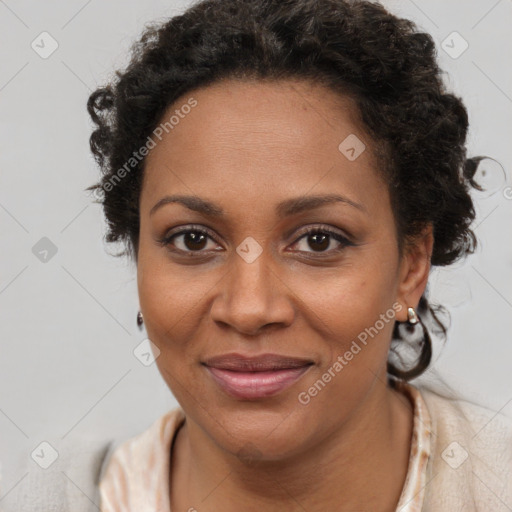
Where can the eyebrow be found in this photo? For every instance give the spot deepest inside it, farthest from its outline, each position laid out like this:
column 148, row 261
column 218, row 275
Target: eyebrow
column 284, row 209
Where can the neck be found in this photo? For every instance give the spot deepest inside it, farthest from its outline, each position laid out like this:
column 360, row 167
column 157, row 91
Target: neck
column 361, row 466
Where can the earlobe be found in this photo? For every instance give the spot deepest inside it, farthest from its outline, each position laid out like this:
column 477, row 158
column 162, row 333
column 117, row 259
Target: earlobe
column 414, row 271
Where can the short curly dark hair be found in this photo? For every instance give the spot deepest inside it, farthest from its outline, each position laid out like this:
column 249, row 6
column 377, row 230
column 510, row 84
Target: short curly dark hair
column 356, row 48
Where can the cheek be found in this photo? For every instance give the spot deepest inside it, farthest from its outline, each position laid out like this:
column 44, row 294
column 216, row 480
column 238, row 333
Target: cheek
column 346, row 300
column 354, row 318
column 351, row 310
column 170, row 298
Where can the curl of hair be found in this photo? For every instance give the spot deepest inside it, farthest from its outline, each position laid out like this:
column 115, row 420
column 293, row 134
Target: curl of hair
column 356, row 48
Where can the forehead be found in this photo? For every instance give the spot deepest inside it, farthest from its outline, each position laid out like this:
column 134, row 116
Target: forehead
column 247, row 137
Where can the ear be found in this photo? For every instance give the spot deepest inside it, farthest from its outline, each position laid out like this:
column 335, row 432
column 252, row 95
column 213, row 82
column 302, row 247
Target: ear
column 414, row 271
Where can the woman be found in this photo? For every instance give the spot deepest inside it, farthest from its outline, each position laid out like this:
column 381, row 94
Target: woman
column 285, row 174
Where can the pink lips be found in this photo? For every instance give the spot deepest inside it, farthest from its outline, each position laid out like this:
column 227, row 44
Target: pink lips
column 249, row 378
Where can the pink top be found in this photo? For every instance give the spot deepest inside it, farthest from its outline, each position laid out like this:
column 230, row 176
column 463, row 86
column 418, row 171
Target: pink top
column 137, row 476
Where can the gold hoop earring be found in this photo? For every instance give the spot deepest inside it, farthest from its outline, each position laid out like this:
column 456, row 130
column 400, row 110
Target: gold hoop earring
column 140, row 320
column 412, row 317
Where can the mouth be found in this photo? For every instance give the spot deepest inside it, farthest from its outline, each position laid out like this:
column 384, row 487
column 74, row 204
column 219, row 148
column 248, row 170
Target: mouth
column 252, row 378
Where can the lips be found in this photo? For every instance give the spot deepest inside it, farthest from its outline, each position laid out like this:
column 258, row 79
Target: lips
column 250, row 378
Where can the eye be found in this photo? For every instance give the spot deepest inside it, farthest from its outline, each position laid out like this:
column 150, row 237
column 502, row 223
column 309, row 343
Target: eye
column 190, row 240
column 321, row 238
column 194, row 239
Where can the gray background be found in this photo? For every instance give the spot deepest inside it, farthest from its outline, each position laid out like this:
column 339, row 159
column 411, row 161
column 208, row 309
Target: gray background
column 68, row 328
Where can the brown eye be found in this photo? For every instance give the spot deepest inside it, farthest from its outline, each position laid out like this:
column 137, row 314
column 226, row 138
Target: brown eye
column 189, row 241
column 319, row 241
column 322, row 240
column 194, row 240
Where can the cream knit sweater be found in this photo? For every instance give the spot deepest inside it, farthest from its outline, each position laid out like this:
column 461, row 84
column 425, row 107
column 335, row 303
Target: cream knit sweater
column 471, row 464
column 441, row 478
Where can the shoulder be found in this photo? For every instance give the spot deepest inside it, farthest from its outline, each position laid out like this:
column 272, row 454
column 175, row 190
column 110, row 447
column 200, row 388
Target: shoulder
column 468, row 421
column 129, row 454
column 70, row 482
column 134, row 469
column 471, row 454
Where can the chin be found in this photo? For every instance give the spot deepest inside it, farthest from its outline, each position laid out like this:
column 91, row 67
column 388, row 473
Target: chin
column 258, row 435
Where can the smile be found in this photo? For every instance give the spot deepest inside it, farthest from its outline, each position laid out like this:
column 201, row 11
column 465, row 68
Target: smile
column 252, row 385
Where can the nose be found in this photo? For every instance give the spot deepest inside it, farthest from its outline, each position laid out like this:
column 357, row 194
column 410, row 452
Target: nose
column 253, row 297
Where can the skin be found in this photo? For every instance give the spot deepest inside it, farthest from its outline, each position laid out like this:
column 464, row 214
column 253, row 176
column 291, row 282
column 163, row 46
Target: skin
column 246, row 147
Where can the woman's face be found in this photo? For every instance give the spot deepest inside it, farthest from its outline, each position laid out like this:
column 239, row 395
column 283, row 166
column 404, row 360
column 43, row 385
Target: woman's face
column 257, row 158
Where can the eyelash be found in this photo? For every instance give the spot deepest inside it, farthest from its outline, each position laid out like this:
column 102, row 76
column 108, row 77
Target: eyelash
column 344, row 241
